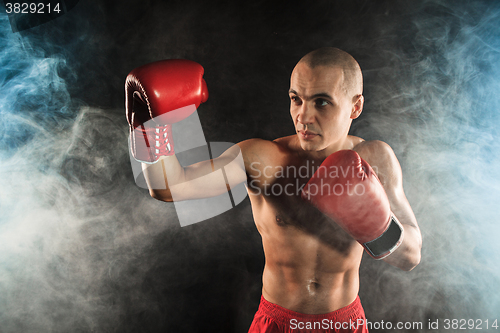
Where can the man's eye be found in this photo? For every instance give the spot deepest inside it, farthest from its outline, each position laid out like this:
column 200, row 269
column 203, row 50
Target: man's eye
column 321, row 102
column 294, row 99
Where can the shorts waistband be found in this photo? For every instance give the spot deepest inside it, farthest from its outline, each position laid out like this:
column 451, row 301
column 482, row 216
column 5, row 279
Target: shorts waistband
column 279, row 313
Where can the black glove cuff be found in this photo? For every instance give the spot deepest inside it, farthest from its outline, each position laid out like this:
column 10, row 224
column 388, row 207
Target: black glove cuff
column 385, row 244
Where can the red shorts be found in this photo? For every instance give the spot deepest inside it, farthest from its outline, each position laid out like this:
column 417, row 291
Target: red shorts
column 272, row 318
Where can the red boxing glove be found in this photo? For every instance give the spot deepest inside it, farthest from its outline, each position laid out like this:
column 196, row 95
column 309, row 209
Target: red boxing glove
column 346, row 189
column 157, row 95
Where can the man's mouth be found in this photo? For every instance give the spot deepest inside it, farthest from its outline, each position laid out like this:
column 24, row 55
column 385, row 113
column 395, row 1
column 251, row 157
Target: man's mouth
column 307, row 135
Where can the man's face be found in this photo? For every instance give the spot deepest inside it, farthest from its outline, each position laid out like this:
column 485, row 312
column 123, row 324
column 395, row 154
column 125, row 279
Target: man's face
column 320, row 109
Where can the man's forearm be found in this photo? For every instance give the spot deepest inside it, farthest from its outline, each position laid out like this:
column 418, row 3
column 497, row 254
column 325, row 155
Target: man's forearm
column 166, row 171
column 407, row 255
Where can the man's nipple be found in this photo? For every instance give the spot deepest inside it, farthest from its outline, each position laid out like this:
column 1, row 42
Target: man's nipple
column 280, row 221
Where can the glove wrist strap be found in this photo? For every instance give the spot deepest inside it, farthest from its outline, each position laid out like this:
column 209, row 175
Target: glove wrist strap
column 388, row 242
column 147, row 144
column 164, row 143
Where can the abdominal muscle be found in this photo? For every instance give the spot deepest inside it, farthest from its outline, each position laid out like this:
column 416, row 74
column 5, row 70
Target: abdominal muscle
column 302, row 273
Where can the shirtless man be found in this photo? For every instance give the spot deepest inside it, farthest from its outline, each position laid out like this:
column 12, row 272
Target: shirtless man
column 311, row 273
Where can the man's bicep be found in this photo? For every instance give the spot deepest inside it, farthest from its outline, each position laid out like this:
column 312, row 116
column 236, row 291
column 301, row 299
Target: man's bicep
column 215, row 176
column 229, row 159
column 391, row 176
column 232, row 164
column 401, row 207
column 384, row 162
column 212, row 177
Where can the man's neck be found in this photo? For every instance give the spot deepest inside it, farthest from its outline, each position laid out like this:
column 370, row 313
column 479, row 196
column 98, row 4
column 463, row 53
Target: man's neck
column 321, row 154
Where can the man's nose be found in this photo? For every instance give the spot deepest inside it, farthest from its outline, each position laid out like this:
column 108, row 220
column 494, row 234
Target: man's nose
column 306, row 114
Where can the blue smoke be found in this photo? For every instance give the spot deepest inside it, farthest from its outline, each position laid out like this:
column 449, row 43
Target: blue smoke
column 441, row 113
column 52, row 166
column 34, row 98
column 68, row 234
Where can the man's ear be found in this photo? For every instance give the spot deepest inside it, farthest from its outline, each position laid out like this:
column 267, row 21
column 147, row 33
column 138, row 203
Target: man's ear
column 357, row 106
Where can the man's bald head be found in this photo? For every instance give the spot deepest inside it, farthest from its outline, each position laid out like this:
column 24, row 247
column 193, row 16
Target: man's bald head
column 333, row 57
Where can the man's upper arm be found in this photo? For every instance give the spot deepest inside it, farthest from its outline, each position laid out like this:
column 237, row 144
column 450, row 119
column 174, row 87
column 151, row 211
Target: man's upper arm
column 212, row 177
column 169, row 181
column 386, row 165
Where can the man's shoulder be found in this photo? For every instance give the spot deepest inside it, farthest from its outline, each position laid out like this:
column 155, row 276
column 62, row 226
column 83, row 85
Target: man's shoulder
column 254, row 145
column 374, row 150
column 369, row 147
column 265, row 152
column 379, row 155
column 266, row 146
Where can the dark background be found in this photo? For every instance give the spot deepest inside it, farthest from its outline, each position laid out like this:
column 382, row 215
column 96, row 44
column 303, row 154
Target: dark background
column 83, row 249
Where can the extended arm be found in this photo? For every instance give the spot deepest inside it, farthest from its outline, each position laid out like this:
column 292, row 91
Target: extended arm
column 168, row 181
column 159, row 95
